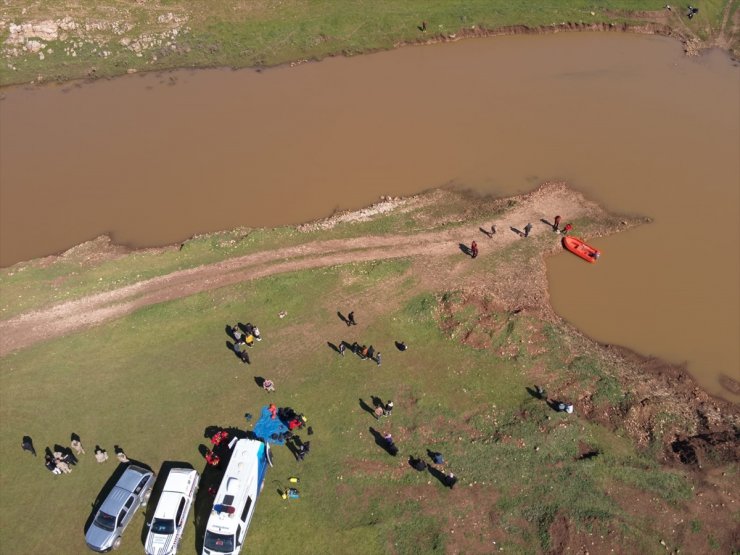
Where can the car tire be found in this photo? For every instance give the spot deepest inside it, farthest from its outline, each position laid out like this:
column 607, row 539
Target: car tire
column 117, row 543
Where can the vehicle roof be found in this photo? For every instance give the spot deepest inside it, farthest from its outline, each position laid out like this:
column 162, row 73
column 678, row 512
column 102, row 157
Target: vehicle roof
column 242, row 470
column 167, row 505
column 179, row 480
column 131, row 477
column 125, row 486
column 240, row 480
column 115, row 501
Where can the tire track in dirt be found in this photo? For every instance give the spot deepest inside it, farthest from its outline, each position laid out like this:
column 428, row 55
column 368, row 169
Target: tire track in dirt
column 27, row 329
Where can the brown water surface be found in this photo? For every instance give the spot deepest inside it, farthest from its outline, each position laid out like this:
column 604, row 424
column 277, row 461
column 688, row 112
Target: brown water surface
column 153, row 159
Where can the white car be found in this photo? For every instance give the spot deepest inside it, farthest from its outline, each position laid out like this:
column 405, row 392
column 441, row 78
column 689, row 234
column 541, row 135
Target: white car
column 168, row 524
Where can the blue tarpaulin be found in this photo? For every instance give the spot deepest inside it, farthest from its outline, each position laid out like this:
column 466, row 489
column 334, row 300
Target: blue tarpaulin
column 270, row 429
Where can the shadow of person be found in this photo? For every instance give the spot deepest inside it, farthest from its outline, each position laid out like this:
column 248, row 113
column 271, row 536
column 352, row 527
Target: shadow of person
column 231, row 347
column 417, row 464
column 554, row 404
column 438, row 474
column 259, row 380
column 336, row 349
column 518, row 232
column 485, row 232
column 377, row 401
column 401, row 346
column 537, row 392
column 465, row 249
column 203, row 450
column 381, row 442
column 229, row 331
column 294, row 448
column 211, row 431
column 378, row 437
column 342, row 317
column 544, row 221
column 367, row 408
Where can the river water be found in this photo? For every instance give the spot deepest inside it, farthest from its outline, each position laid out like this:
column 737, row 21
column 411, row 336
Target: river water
column 152, row 159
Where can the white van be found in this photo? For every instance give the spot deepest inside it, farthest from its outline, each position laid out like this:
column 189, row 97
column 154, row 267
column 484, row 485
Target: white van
column 234, row 504
column 171, row 514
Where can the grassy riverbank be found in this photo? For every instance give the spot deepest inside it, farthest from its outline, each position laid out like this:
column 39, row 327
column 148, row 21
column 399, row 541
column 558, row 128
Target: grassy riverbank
column 479, row 333
column 63, row 40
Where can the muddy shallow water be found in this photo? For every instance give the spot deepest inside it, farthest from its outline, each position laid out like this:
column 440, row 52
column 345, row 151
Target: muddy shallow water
column 629, row 120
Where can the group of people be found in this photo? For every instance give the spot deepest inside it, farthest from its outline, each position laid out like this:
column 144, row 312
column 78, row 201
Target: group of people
column 244, row 335
column 559, row 406
column 219, row 441
column 473, row 249
column 383, row 410
column 447, row 478
column 62, row 459
column 362, row 351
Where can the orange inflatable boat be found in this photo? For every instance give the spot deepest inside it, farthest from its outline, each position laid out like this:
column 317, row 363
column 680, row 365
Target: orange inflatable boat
column 579, row 248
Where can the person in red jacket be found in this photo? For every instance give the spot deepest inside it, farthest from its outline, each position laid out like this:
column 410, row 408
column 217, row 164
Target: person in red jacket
column 273, row 410
column 474, row 249
column 567, row 228
column 212, row 458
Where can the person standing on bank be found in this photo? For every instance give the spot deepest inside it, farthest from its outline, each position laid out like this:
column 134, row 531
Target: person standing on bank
column 567, row 228
column 474, row 250
column 351, row 319
column 527, row 229
column 556, row 225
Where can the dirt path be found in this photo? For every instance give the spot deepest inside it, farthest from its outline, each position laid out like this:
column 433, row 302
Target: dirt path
column 32, row 327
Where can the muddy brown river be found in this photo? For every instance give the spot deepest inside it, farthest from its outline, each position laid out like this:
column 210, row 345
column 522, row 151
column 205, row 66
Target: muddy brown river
column 153, row 159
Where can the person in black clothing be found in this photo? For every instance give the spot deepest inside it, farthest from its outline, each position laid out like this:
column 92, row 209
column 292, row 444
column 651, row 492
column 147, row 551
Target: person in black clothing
column 417, row 464
column 303, row 450
column 27, row 445
column 450, row 480
column 351, row 319
column 51, row 464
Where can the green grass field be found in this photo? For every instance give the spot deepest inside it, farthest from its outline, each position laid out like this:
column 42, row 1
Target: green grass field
column 109, row 38
column 155, row 380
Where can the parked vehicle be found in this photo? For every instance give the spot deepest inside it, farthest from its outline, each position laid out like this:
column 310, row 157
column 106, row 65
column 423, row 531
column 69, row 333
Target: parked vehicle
column 132, row 490
column 236, row 498
column 171, row 514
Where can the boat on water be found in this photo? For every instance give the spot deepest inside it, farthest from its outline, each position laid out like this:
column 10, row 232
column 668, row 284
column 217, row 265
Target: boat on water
column 581, row 248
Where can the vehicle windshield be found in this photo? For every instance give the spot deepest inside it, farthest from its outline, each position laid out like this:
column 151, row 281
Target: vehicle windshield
column 162, row 526
column 219, row 542
column 105, row 521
